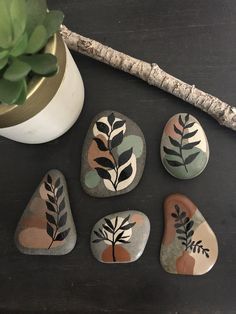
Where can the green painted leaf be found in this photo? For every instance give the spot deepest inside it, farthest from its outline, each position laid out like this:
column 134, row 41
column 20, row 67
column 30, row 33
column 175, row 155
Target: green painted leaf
column 3, row 63
column 37, row 40
column 18, row 17
column 20, row 46
column 171, row 151
column 17, row 71
column 10, row 91
column 191, row 145
column 190, row 134
column 52, row 21
column 5, row 25
column 174, row 142
column 174, row 163
column 191, row 158
column 178, row 131
column 42, row 64
column 36, row 13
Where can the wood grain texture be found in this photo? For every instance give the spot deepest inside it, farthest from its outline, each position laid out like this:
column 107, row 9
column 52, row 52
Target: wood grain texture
column 194, row 40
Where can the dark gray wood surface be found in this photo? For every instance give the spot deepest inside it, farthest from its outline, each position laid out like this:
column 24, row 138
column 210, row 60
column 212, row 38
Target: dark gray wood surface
column 194, row 40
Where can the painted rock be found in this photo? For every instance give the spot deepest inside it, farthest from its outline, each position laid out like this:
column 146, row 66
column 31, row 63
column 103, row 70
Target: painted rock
column 189, row 246
column 120, row 237
column 113, row 156
column 184, row 147
column 46, row 226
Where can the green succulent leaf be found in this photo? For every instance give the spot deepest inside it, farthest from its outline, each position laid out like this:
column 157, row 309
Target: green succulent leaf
column 17, row 71
column 36, row 12
column 22, row 97
column 10, row 91
column 5, row 25
column 3, row 62
column 42, row 64
column 20, row 46
column 52, row 22
column 37, row 40
column 18, row 17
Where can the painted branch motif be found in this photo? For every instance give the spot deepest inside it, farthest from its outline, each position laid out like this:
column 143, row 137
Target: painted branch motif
column 56, row 216
column 184, row 230
column 115, row 231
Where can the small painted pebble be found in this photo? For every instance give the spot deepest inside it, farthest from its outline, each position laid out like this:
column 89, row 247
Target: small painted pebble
column 189, row 246
column 120, row 237
column 46, row 226
column 113, row 155
column 184, row 147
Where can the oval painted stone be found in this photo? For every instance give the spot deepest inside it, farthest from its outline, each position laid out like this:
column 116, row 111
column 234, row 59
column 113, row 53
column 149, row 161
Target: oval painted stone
column 47, row 226
column 184, row 147
column 189, row 246
column 120, row 237
column 113, row 157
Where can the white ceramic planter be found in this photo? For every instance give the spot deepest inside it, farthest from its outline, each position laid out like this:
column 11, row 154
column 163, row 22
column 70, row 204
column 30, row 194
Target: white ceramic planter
column 58, row 115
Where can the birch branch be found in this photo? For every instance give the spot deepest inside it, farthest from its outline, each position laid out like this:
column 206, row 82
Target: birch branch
column 153, row 75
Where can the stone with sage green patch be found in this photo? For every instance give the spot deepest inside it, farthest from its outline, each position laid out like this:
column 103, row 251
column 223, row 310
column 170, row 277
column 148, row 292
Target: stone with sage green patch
column 120, row 237
column 47, row 226
column 184, row 147
column 113, row 156
column 189, row 246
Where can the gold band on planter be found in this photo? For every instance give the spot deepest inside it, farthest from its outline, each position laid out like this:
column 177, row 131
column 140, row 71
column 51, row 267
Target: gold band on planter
column 40, row 90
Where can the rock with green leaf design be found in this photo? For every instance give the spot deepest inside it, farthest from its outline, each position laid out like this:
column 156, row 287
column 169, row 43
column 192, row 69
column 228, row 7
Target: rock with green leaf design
column 120, row 237
column 189, row 246
column 113, row 155
column 47, row 226
column 184, row 147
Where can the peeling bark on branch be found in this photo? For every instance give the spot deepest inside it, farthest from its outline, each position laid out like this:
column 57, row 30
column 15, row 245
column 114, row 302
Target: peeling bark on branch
column 153, row 75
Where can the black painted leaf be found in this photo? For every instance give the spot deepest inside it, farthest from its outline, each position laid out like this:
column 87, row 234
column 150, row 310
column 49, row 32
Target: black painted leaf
column 57, row 183
column 109, row 223
column 125, row 173
column 49, row 179
column 177, row 130
column 188, row 126
column 125, row 220
column 118, row 124
column 194, row 249
column 51, row 219
column 174, row 142
column 174, row 215
column 119, row 236
column 178, row 225
column 100, row 144
column 62, row 205
column 49, row 230
column 198, row 242
column 206, row 249
column 174, row 163
column 111, row 118
column 104, row 174
column 105, row 162
column 117, row 139
column 177, row 208
column 128, row 226
column 101, row 232
column 47, row 187
column 107, row 228
column 189, row 225
column 51, row 198
column 186, row 220
column 181, row 121
column 98, row 234
column 116, row 221
column 97, row 240
column 199, row 250
column 186, row 117
column 62, row 235
column 181, row 238
column 184, row 243
column 125, row 156
column 191, row 158
column 190, row 134
column 207, row 255
column 50, row 207
column 62, row 220
column 102, row 127
column 180, row 231
column 170, row 151
column 190, row 145
column 182, row 215
column 190, row 234
column 123, row 241
column 59, row 192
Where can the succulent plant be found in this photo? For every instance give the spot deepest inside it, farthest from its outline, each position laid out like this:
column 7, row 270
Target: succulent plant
column 25, row 28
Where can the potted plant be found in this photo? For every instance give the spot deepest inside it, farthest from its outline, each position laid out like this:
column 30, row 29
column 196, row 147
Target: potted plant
column 41, row 90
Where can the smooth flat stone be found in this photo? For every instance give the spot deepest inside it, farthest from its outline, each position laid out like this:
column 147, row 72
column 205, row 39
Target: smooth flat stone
column 113, row 155
column 184, row 147
column 120, row 237
column 46, row 226
column 189, row 246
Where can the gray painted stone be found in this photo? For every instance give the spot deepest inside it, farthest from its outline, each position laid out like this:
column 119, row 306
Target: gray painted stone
column 113, row 157
column 46, row 226
column 184, row 147
column 120, row 237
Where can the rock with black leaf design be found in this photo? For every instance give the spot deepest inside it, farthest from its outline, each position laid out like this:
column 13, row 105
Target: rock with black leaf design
column 120, row 237
column 184, row 147
column 113, row 155
column 47, row 226
column 189, row 246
